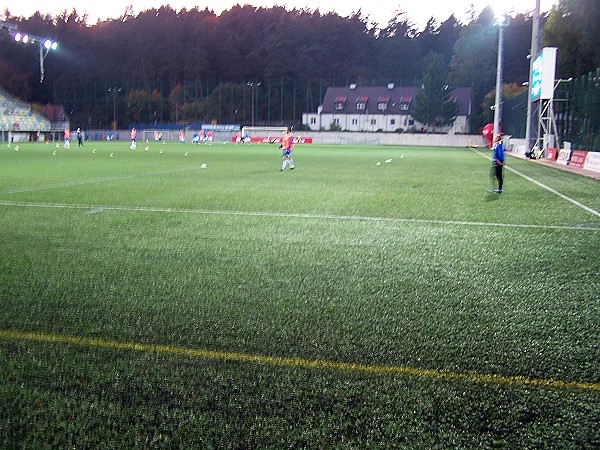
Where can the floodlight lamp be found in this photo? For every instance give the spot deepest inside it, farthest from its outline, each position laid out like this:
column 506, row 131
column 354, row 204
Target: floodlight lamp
column 17, row 37
column 502, row 20
column 25, row 39
column 50, row 44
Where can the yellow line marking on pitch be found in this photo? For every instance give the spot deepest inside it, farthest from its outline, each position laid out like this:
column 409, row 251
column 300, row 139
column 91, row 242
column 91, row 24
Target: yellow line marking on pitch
column 299, row 362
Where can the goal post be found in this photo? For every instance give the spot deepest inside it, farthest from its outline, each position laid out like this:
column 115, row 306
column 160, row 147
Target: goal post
column 263, row 133
column 155, row 135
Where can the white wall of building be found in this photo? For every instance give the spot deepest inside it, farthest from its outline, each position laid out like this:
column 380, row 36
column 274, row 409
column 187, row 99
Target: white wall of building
column 412, row 139
column 374, row 122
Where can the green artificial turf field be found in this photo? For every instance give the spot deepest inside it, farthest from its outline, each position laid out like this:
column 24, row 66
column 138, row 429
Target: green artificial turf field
column 146, row 302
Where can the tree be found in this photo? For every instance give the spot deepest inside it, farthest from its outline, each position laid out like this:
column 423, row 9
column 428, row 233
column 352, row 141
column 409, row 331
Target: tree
column 434, row 104
column 439, row 39
column 16, row 82
column 474, row 59
column 232, row 99
column 141, row 105
column 509, row 90
column 572, row 26
column 517, row 45
column 398, row 55
column 288, row 50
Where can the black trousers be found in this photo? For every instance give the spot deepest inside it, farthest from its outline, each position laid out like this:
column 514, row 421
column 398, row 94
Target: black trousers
column 499, row 175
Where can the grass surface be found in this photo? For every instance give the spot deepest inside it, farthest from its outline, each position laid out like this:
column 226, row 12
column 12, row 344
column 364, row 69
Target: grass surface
column 348, row 304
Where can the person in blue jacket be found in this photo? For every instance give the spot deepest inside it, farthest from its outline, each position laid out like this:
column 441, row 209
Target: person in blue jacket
column 498, row 161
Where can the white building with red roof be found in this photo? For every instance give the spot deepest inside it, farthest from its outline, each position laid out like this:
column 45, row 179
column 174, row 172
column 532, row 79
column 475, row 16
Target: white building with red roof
column 387, row 109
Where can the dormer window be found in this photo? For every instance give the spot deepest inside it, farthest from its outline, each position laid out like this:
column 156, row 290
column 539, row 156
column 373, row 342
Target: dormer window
column 340, row 103
column 382, row 103
column 361, row 102
column 405, row 103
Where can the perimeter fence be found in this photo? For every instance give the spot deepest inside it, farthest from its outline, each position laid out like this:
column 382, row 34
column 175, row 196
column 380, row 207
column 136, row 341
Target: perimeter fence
column 576, row 111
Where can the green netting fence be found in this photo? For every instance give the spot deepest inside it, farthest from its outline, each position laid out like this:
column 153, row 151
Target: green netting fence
column 279, row 102
column 576, row 111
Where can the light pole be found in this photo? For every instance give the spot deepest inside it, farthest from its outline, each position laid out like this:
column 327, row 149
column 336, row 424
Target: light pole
column 253, row 84
column 502, row 22
column 45, row 44
column 44, row 49
column 114, row 91
column 535, row 49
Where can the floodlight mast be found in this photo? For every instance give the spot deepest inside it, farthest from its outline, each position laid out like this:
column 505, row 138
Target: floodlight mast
column 253, row 85
column 535, row 49
column 114, row 91
column 42, row 57
column 44, row 44
column 502, row 22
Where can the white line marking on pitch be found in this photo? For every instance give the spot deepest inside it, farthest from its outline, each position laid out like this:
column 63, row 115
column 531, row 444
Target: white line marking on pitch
column 91, row 181
column 548, row 188
column 98, row 208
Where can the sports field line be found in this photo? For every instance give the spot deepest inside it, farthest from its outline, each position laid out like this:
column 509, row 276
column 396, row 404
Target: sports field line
column 99, row 208
column 554, row 191
column 548, row 188
column 92, row 181
column 299, row 362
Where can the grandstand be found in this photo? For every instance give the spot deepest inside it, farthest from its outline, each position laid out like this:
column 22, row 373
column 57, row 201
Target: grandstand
column 18, row 122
